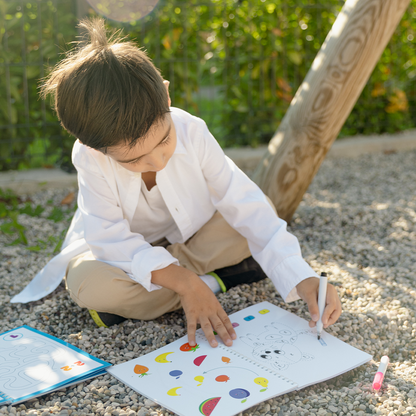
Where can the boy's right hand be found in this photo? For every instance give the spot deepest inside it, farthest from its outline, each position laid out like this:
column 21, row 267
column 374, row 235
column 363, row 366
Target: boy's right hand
column 199, row 303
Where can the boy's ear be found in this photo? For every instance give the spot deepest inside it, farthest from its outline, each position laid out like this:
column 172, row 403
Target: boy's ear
column 167, row 91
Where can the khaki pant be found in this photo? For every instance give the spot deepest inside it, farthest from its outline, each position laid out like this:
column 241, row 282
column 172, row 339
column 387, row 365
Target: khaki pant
column 96, row 285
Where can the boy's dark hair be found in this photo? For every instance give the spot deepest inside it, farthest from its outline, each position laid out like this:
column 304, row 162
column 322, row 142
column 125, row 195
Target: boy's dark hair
column 106, row 92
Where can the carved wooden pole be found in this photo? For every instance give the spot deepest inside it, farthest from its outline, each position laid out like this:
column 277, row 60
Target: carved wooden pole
column 325, row 99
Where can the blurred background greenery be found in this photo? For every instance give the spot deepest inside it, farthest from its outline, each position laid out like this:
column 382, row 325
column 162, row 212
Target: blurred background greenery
column 235, row 63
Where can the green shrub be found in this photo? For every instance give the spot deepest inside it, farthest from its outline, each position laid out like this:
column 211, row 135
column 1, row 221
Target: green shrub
column 235, row 63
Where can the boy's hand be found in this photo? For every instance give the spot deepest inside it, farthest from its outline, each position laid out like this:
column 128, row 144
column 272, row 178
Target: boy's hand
column 308, row 290
column 199, row 303
column 201, row 306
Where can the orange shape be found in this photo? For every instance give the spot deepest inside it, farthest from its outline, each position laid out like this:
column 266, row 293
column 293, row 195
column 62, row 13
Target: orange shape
column 141, row 369
column 222, row 378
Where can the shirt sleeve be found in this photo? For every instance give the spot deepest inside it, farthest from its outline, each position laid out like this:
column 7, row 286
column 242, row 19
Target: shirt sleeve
column 245, row 207
column 107, row 232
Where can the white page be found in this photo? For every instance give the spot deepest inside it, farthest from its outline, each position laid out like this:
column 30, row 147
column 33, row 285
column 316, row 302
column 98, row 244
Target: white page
column 284, row 342
column 182, row 381
column 32, row 363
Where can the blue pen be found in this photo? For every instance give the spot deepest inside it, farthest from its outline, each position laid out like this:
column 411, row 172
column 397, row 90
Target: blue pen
column 323, row 283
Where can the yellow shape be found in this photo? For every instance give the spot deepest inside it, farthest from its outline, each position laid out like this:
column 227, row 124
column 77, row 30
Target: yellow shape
column 261, row 381
column 199, row 379
column 264, row 311
column 173, row 392
column 162, row 357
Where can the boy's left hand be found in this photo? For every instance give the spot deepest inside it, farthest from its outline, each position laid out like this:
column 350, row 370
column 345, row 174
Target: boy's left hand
column 308, row 290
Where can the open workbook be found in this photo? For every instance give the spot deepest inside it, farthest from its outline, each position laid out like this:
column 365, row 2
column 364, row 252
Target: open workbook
column 33, row 363
column 275, row 352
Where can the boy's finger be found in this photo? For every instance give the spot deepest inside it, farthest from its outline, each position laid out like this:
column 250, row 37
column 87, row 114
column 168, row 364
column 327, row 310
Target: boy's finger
column 228, row 325
column 334, row 316
column 312, row 302
column 336, row 313
column 191, row 326
column 333, row 308
column 221, row 330
column 209, row 332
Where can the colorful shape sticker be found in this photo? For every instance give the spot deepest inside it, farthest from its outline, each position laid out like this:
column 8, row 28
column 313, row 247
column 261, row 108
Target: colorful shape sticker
column 222, row 379
column 263, row 382
column 264, row 311
column 198, row 360
column 235, row 324
column 186, row 347
column 208, row 406
column 239, row 394
column 141, row 370
column 173, row 391
column 176, row 373
column 162, row 358
column 225, row 360
column 249, row 318
column 199, row 379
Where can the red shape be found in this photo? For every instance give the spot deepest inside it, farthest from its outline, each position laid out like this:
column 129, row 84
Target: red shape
column 198, row 360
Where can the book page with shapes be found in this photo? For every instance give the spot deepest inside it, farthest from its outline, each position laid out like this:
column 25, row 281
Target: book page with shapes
column 283, row 342
column 33, row 363
column 200, row 380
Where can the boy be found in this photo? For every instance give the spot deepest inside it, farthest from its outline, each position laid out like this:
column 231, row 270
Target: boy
column 159, row 205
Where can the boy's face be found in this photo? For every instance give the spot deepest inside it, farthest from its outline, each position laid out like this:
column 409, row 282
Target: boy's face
column 150, row 154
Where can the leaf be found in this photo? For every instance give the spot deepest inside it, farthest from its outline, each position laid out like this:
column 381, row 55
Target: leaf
column 28, row 210
column 166, row 42
column 398, row 102
column 295, row 57
column 283, row 84
column 7, row 228
column 68, row 199
column 56, row 215
column 33, row 248
column 378, row 90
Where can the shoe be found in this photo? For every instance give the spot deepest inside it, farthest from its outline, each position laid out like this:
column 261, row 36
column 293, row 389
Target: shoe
column 103, row 319
column 248, row 271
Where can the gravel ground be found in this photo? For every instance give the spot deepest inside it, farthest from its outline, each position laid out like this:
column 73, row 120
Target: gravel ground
column 357, row 221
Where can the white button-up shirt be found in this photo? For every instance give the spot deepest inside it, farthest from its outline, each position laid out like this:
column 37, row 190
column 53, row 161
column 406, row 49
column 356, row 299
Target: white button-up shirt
column 198, row 180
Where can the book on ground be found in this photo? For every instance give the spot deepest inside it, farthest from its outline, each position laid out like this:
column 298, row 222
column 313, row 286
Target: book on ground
column 33, row 363
column 275, row 352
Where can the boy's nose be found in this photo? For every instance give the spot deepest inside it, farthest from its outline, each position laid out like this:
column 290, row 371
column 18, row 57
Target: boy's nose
column 158, row 162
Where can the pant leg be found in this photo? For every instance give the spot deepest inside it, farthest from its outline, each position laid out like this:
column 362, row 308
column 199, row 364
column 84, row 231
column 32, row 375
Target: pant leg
column 93, row 284
column 214, row 246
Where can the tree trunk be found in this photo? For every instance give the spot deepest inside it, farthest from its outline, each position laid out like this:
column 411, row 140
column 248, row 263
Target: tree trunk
column 325, row 99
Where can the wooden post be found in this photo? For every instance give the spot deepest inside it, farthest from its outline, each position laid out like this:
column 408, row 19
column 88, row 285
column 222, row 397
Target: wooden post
column 325, row 99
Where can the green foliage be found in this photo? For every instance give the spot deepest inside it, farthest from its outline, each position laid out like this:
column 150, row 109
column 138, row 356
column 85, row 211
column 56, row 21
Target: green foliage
column 254, row 55
column 235, row 63
column 32, row 36
column 11, row 206
column 9, row 210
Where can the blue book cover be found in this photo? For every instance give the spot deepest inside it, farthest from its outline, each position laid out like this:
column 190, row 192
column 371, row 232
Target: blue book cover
column 33, row 363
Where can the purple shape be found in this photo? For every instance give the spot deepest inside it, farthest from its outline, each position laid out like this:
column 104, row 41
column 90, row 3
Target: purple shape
column 239, row 393
column 235, row 324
